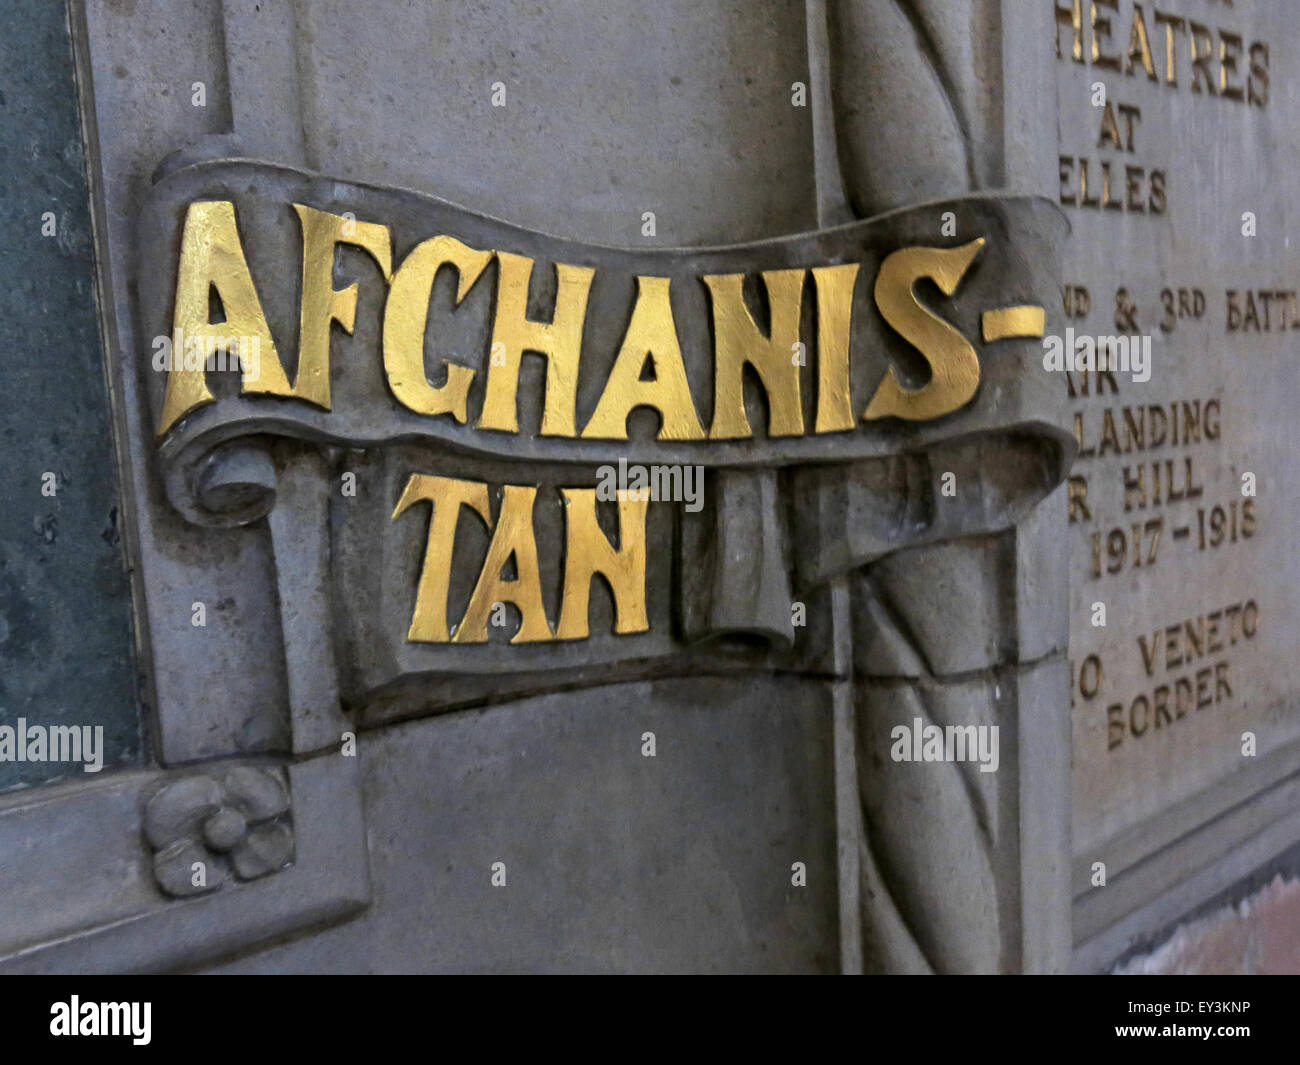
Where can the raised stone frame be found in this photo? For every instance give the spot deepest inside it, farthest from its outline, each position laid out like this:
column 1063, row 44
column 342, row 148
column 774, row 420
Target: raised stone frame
column 96, row 877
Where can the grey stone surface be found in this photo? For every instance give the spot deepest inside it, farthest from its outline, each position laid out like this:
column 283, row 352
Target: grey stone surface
column 224, row 829
column 951, row 617
column 205, row 827
column 918, row 604
column 258, row 795
column 612, row 110
column 613, row 861
column 179, row 809
column 263, row 850
column 1042, row 628
column 951, row 891
column 176, row 865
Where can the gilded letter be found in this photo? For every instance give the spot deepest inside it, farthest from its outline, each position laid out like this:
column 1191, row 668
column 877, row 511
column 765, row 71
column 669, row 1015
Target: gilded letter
column 834, row 320
column 737, row 341
column 651, row 333
column 1139, row 45
column 212, row 257
column 560, row 340
column 588, row 552
column 1101, row 30
column 513, row 537
column 406, row 317
column 1070, row 13
column 322, row 303
column 448, row 495
column 954, row 365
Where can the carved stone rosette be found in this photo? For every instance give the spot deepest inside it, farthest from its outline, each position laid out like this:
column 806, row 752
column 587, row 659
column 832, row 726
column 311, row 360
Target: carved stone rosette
column 207, row 830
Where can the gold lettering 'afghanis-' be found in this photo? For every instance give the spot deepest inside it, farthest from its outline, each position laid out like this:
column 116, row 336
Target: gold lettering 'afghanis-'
column 649, row 369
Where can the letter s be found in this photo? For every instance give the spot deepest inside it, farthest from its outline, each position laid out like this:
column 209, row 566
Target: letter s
column 954, row 365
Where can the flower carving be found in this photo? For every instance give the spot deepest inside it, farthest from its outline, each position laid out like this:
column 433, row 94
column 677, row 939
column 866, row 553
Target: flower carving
column 206, row 830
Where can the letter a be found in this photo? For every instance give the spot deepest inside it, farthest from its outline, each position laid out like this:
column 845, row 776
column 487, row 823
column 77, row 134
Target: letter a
column 212, row 258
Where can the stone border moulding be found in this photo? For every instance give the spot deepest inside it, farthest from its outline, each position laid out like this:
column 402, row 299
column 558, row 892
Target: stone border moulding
column 1162, row 870
column 156, row 869
column 83, row 892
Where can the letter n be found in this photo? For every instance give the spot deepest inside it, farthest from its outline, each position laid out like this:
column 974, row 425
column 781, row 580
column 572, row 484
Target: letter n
column 588, row 552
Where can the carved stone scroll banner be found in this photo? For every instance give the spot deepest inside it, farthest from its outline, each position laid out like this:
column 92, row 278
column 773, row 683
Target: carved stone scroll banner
column 825, row 382
column 1012, row 269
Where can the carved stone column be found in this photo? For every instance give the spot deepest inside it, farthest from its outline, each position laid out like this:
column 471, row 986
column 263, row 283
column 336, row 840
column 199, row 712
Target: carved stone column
column 963, row 870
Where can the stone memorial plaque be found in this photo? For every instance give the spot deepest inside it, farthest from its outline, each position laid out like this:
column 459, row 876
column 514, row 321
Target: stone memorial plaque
column 614, row 487
column 1177, row 129
column 560, row 441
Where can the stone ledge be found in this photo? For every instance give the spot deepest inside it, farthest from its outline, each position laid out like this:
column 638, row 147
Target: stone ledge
column 82, row 895
column 1258, row 936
